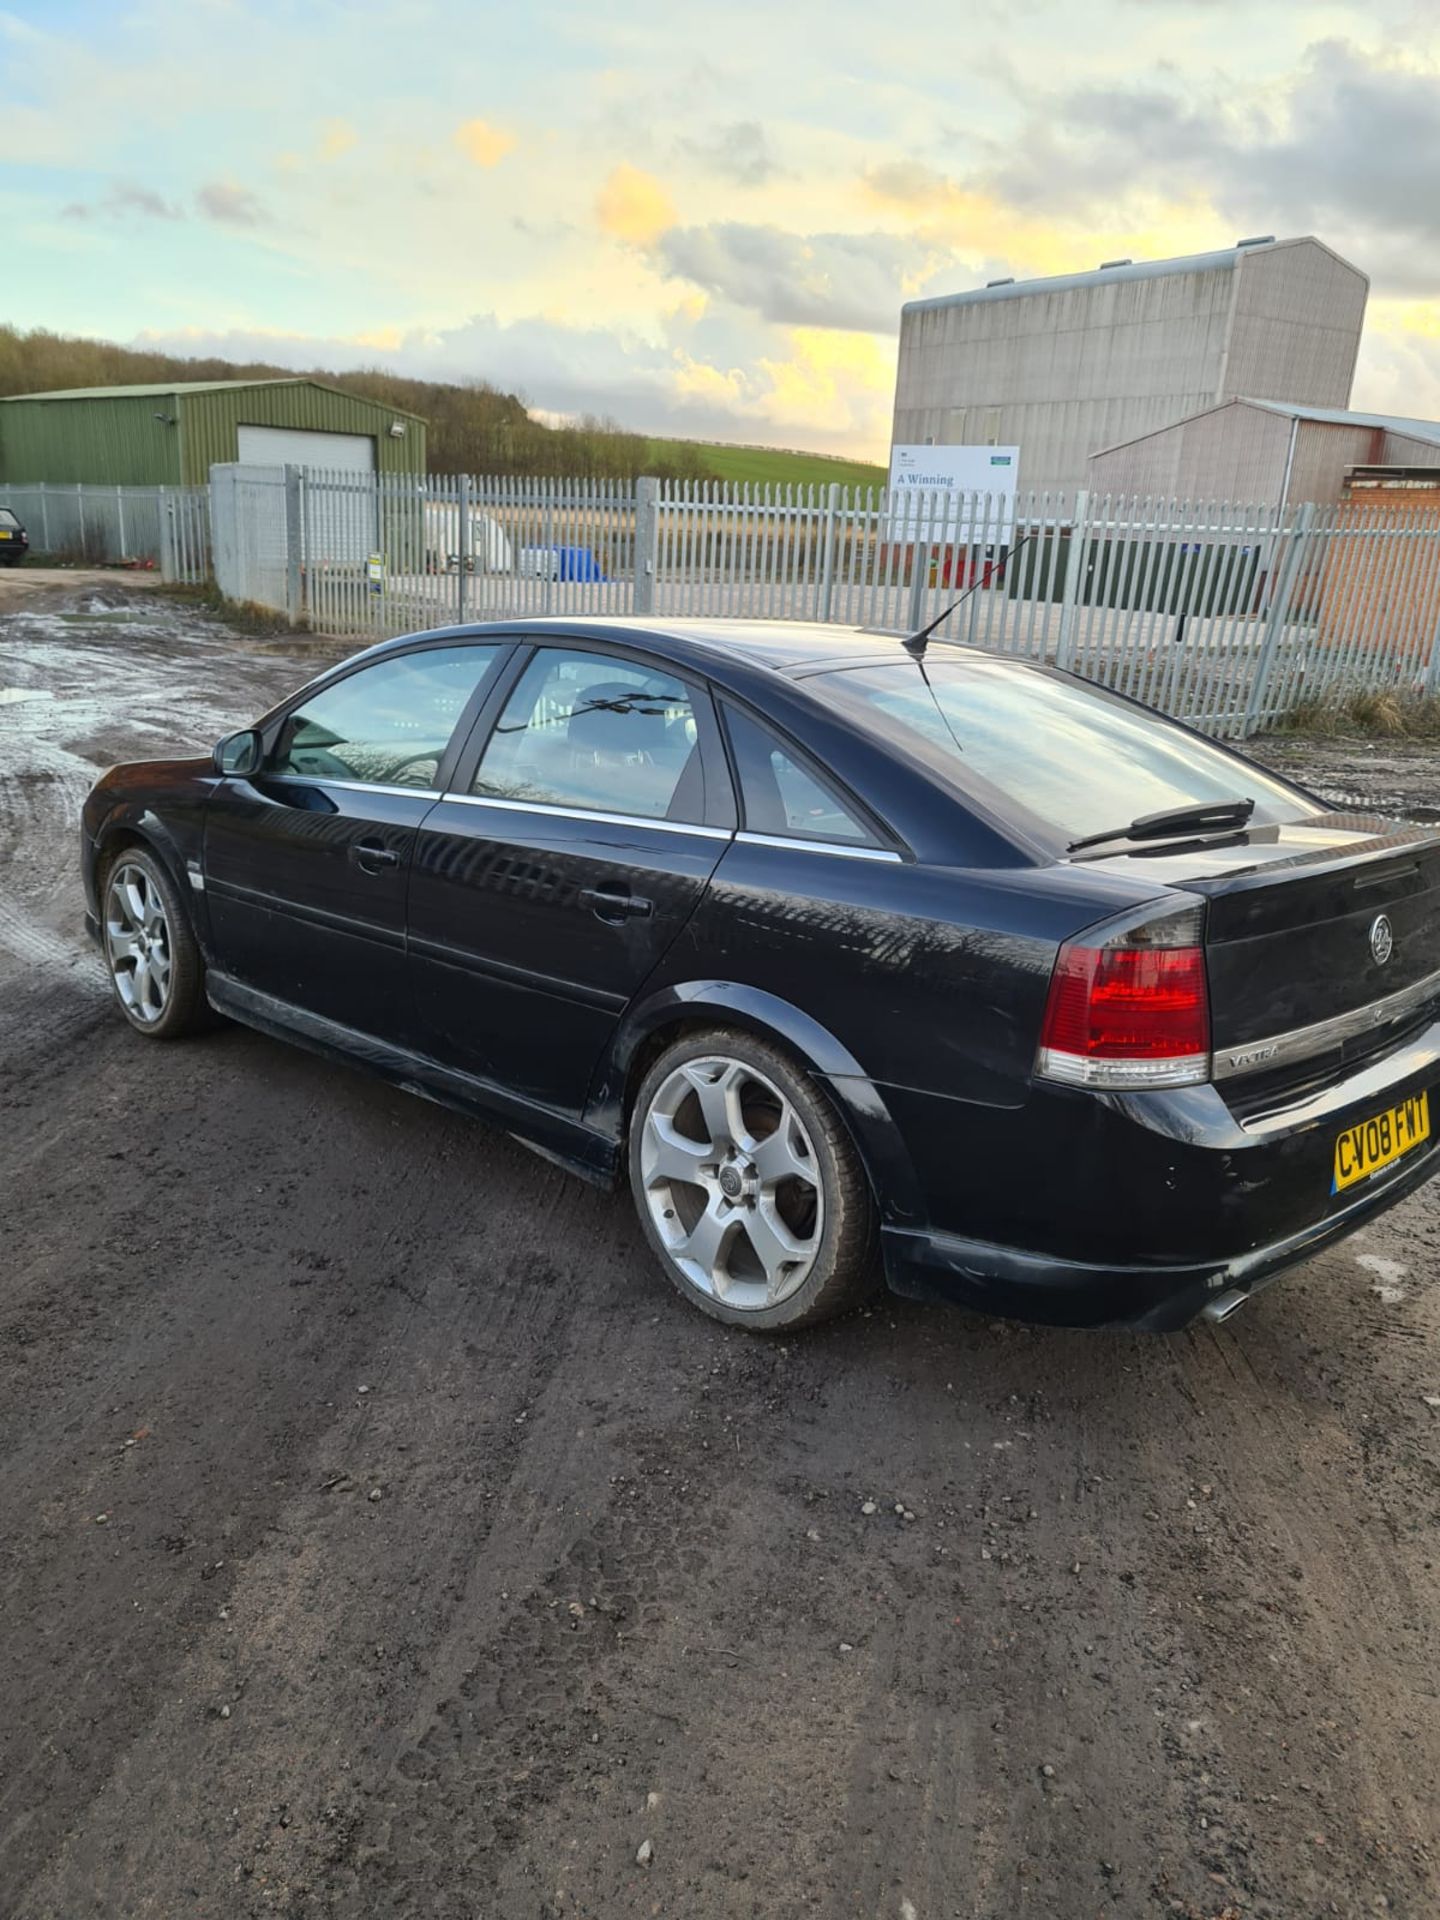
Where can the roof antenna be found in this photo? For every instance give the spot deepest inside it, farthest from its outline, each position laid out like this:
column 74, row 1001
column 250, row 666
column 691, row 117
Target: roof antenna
column 916, row 643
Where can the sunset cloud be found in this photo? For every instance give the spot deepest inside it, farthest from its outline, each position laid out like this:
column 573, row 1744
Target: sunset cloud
column 337, row 137
column 487, row 146
column 633, row 206
column 684, row 238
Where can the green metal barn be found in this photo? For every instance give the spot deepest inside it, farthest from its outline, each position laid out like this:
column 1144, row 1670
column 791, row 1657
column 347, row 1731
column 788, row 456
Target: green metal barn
column 171, row 435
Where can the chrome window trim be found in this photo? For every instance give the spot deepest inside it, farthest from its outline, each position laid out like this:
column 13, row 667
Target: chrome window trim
column 791, row 841
column 550, row 811
column 351, row 786
column 1284, row 1049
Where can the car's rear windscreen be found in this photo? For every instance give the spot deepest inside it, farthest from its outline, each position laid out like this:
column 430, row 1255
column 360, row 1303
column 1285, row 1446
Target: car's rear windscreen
column 7, row 518
column 1077, row 758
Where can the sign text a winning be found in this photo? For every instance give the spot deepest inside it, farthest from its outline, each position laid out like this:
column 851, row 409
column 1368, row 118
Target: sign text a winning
column 980, row 483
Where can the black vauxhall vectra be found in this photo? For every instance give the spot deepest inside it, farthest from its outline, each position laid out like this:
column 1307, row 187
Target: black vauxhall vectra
column 854, row 956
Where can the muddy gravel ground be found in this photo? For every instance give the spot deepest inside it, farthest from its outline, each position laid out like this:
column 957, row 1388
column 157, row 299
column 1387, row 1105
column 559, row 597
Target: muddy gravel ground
column 380, row 1535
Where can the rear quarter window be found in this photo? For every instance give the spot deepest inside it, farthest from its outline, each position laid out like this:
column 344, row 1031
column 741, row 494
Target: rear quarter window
column 783, row 795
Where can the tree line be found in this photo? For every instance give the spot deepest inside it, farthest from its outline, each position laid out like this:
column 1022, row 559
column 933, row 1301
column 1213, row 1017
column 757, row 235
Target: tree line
column 473, row 427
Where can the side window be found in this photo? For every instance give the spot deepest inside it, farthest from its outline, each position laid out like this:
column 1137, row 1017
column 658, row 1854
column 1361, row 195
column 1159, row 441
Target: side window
column 387, row 725
column 783, row 794
column 603, row 735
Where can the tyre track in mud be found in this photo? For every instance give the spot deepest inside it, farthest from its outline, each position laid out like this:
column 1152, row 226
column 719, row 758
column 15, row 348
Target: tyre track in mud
column 619, row 1583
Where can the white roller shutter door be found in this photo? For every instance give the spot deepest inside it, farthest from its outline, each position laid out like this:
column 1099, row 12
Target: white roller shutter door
column 341, row 512
column 304, row 447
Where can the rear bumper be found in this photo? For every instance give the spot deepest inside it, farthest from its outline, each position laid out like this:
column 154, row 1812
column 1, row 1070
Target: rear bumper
column 1140, row 1210
column 1153, row 1299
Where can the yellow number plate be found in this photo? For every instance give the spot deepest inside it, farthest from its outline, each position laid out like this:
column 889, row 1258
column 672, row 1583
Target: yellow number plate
column 3, row 534
column 1378, row 1143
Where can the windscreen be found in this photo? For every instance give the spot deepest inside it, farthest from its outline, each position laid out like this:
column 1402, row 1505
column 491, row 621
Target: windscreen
column 1078, row 758
column 7, row 519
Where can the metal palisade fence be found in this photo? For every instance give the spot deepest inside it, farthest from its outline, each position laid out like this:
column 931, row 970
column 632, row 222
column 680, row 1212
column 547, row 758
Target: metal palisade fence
column 1223, row 613
column 167, row 528
column 1226, row 614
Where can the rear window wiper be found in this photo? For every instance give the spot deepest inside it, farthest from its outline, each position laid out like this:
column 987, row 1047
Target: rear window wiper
column 1211, row 816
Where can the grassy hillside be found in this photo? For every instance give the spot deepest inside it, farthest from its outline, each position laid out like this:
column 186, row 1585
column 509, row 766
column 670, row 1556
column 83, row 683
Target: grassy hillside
column 473, row 427
column 770, row 466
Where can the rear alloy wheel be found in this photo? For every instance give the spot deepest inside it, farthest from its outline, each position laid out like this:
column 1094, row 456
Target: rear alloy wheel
column 155, row 965
column 748, row 1186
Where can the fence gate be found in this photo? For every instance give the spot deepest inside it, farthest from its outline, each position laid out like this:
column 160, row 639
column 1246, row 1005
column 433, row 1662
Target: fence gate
column 256, row 547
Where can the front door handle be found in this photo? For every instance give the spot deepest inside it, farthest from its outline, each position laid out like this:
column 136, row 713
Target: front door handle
column 370, row 856
column 609, row 904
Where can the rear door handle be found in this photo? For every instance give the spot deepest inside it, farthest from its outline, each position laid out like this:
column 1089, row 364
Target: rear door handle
column 370, row 856
column 607, row 904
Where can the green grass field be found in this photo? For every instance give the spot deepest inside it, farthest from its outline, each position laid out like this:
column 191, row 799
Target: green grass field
column 770, row 466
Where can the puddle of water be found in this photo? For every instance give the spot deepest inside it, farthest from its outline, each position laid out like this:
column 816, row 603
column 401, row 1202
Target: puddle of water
column 1388, row 1275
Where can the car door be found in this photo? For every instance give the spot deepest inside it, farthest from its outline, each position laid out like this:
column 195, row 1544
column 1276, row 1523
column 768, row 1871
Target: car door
column 581, row 830
column 307, row 862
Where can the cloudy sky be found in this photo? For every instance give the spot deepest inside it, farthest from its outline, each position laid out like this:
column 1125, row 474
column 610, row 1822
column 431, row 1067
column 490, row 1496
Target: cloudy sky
column 700, row 218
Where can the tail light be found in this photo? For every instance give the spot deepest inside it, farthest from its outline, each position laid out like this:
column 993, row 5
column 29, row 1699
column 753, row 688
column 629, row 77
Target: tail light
column 1131, row 1010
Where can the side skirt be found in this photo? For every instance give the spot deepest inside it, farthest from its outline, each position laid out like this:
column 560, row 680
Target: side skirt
column 554, row 1136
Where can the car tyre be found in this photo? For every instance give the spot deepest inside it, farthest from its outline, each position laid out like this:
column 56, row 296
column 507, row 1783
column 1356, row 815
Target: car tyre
column 748, row 1185
column 157, row 972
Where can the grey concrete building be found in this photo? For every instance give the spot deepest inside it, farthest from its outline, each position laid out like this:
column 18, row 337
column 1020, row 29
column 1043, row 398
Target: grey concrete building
column 1066, row 366
column 1262, row 452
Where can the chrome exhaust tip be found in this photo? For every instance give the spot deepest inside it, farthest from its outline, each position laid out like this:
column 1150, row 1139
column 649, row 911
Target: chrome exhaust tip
column 1223, row 1305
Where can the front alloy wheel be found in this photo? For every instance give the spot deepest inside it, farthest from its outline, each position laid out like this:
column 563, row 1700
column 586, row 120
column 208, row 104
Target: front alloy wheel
column 137, row 943
column 747, row 1185
column 155, row 965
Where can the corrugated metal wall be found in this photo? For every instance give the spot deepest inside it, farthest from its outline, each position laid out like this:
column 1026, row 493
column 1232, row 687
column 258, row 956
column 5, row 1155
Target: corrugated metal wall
column 1295, row 332
column 1061, row 374
column 1240, row 452
column 1401, row 451
column 209, row 423
column 117, row 440
column 1233, row 452
column 1323, row 450
column 108, row 441
column 1064, row 372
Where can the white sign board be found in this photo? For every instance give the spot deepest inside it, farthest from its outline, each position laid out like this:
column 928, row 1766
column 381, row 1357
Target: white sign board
column 918, row 474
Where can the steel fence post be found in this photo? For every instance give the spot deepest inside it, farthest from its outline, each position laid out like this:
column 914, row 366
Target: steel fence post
column 463, row 548
column 1432, row 669
column 1276, row 615
column 293, row 575
column 167, row 536
column 826, row 602
column 919, row 554
column 44, row 517
column 552, row 563
column 1074, row 577
column 647, row 544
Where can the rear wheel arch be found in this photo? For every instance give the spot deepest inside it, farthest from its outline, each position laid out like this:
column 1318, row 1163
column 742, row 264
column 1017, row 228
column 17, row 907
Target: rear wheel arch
column 717, row 1006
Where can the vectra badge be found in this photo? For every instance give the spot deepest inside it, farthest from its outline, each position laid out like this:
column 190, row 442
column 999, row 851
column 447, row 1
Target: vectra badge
column 1382, row 939
column 1252, row 1057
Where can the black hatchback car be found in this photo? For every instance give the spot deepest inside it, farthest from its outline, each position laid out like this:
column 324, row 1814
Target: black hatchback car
column 835, row 948
column 14, row 541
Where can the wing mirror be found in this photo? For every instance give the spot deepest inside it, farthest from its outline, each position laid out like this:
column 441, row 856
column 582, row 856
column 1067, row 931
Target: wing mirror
column 239, row 753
